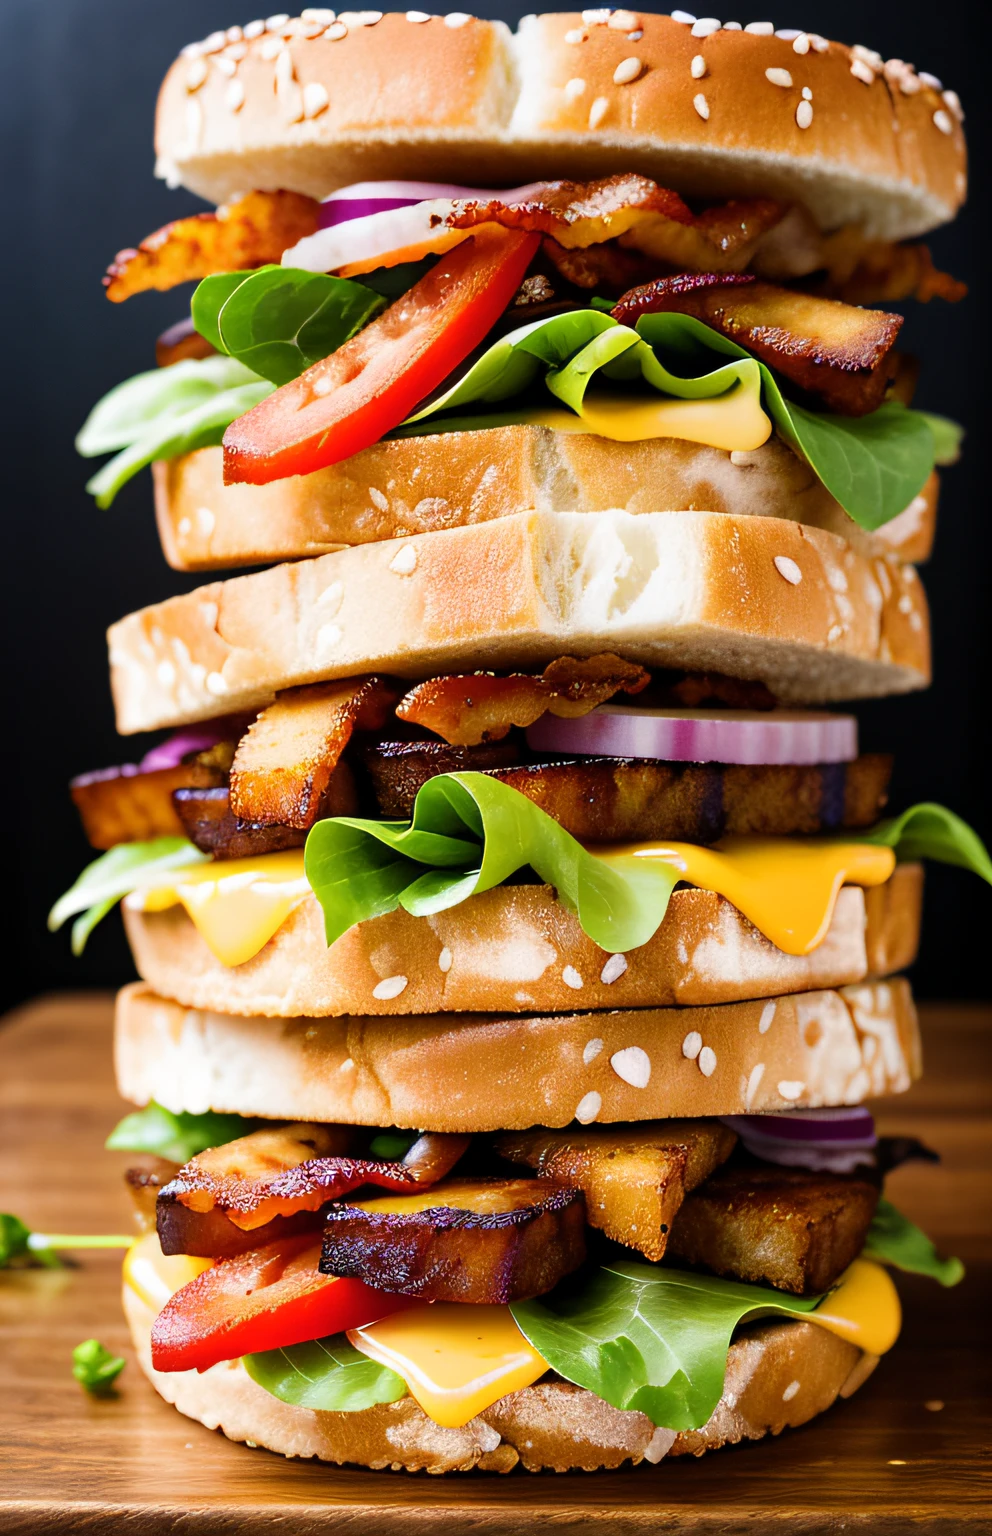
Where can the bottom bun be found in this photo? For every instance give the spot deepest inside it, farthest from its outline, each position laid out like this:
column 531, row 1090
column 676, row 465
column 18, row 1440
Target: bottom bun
column 779, row 1375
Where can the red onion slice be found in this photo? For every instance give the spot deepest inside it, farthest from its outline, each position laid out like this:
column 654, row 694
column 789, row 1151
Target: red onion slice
column 365, row 197
column 701, row 735
column 195, row 738
column 823, row 1140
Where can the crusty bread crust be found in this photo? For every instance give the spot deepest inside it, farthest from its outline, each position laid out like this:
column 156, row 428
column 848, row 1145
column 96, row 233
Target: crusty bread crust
column 694, row 590
column 453, row 479
column 779, row 1375
column 515, row 949
column 469, row 103
column 489, row 1072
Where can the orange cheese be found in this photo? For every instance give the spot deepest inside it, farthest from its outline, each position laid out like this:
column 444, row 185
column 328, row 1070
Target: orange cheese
column 864, row 1308
column 154, row 1276
column 731, row 421
column 235, row 904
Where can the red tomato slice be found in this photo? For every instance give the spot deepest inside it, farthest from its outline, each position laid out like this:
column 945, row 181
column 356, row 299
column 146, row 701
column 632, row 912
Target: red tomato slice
column 268, row 1298
column 351, row 399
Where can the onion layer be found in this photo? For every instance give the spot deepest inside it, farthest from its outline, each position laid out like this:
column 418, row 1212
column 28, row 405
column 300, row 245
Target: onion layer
column 824, row 1140
column 701, row 735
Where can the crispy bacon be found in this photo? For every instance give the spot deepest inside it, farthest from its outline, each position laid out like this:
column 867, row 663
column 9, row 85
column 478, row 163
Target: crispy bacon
column 116, row 806
column 481, row 707
column 838, row 352
column 248, row 233
column 861, row 271
column 297, row 1168
column 284, row 762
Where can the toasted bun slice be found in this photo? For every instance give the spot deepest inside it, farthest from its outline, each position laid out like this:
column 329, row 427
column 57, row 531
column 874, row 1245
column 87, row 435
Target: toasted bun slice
column 457, row 99
column 515, row 949
column 453, row 479
column 694, row 590
column 550, row 1425
column 487, row 1072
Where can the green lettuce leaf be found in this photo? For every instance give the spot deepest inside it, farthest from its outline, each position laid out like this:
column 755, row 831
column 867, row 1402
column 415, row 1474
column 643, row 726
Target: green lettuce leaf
column 329, row 1375
column 115, row 874
column 176, row 1136
column 931, row 831
column 278, row 321
column 648, row 1338
column 874, row 465
column 894, row 1239
column 947, row 438
column 165, row 413
column 468, row 834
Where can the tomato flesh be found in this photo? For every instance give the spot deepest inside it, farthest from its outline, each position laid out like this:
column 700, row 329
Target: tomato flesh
column 266, row 1299
column 349, row 400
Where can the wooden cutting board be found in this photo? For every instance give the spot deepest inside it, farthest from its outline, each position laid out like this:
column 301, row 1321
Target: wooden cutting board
column 904, row 1453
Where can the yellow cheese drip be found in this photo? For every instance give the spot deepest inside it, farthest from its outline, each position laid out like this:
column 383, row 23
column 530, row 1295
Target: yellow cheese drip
column 731, row 421
column 456, row 1360
column 236, row 904
column 154, row 1276
column 787, row 886
column 864, row 1309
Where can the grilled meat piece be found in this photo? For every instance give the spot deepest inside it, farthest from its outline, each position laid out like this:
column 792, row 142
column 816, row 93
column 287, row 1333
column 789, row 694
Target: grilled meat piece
column 212, row 1235
column 608, row 799
column 143, row 1185
column 479, row 1241
column 120, row 806
column 634, row 1177
column 785, row 1227
column 836, row 351
column 206, row 818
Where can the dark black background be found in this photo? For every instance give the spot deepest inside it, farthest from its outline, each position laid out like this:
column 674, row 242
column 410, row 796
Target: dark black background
column 76, row 99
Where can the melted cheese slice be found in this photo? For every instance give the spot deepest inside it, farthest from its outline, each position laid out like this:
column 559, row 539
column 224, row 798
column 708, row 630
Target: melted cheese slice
column 864, row 1309
column 154, row 1276
column 731, row 421
column 235, row 904
column 456, row 1360
column 787, row 886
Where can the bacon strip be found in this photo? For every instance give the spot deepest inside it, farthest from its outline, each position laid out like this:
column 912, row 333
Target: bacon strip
column 877, row 272
column 284, row 762
column 248, row 233
column 275, row 1173
column 481, row 707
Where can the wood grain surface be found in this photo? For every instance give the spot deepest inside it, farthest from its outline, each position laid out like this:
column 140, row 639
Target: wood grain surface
column 889, row 1460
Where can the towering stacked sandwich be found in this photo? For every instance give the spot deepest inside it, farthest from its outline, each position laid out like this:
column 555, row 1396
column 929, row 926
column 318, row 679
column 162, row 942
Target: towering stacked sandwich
column 518, row 931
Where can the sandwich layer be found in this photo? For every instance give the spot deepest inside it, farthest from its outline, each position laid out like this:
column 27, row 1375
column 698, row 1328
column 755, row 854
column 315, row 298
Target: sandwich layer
column 488, row 1072
column 516, row 949
column 551, row 1424
column 753, row 597
column 458, row 99
column 454, row 479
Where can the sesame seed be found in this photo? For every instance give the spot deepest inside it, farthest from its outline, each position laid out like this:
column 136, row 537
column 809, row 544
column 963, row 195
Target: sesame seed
column 819, row 43
column 591, row 1050
column 191, row 51
column 234, row 96
column 270, row 48
column 574, row 89
column 315, row 101
column 598, row 111
column 235, row 51
column 790, row 1391
column 804, row 114
column 571, row 978
column 418, row 16
column 336, row 31
column 760, row 28
column 273, row 23
column 788, row 568
column 389, row 987
column 576, row 35
column 861, row 71
column 807, row 93
column 684, row 18
column 705, row 26
column 635, row 37
column 791, row 1091
column 943, row 121
column 228, row 67
column 284, row 68
column 706, row 1061
column 767, row 1015
column 613, row 970
column 234, row 34
column 196, row 74
column 214, row 43
column 254, row 29
column 701, row 105
column 597, row 18
column 909, row 84
column 624, row 21
column 801, row 44
column 692, row 1045
column 779, row 77
column 930, row 80
column 868, row 55
column 347, row 1065
column 953, row 100
column 588, row 1107
column 697, row 68
column 834, row 633
column 378, row 499
column 753, row 1083
column 319, row 14
column 444, row 960
column 626, row 71
column 632, row 1065
column 404, row 562
column 732, row 26
column 215, row 684
column 456, row 19
column 787, row 34
column 740, row 457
